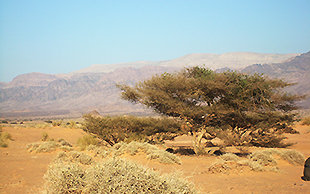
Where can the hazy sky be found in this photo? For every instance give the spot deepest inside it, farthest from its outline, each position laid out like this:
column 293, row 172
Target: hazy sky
column 60, row 36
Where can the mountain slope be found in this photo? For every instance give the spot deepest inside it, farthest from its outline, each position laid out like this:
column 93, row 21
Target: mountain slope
column 73, row 94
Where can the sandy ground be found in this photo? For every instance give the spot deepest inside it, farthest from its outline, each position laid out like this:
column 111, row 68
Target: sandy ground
column 22, row 172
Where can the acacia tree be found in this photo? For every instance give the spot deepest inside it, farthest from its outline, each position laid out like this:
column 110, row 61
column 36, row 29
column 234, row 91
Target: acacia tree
column 251, row 109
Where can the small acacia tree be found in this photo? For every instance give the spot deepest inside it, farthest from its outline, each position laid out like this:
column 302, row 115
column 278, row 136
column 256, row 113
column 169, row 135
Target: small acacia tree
column 251, row 108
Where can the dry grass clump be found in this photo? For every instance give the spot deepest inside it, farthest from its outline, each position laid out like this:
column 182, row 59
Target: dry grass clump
column 63, row 142
column 4, row 136
column 153, row 152
column 66, row 148
column 263, row 158
column 45, row 136
column 258, row 161
column 64, row 178
column 42, row 147
column 43, row 125
column 48, row 145
column 86, row 141
column 115, row 175
column 230, row 157
column 226, row 167
column 305, row 121
column 100, row 152
column 56, row 123
column 293, row 157
column 75, row 156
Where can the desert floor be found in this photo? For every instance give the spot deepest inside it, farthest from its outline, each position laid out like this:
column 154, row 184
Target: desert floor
column 22, row 172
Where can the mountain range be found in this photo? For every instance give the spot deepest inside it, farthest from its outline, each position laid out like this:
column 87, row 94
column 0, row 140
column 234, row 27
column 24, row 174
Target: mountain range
column 93, row 88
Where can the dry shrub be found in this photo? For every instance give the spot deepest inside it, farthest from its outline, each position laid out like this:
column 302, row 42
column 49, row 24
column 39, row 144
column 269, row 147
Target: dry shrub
column 153, row 152
column 64, row 178
column 230, row 157
column 75, row 156
column 305, row 121
column 56, row 123
column 258, row 161
column 86, row 141
column 123, row 176
column 4, row 136
column 42, row 125
column 63, row 142
column 45, row 136
column 112, row 176
column 42, row 147
column 48, row 146
column 99, row 151
column 226, row 167
column 263, row 158
column 293, row 157
column 66, row 148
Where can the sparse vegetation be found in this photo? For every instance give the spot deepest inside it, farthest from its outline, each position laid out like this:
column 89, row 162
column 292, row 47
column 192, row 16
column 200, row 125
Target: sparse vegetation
column 74, row 156
column 152, row 151
column 115, row 175
column 49, row 145
column 42, row 147
column 56, row 123
column 258, row 161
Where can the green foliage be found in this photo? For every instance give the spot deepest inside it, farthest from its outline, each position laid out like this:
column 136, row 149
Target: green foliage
column 130, row 128
column 305, row 121
column 86, row 141
column 230, row 101
column 112, row 176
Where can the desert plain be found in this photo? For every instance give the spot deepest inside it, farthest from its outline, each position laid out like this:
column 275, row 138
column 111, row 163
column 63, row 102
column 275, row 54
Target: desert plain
column 22, row 172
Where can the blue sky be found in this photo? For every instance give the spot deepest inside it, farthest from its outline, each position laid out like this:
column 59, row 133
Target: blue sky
column 60, row 36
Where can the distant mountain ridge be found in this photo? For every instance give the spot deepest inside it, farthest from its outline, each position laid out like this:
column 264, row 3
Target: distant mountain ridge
column 38, row 94
column 234, row 60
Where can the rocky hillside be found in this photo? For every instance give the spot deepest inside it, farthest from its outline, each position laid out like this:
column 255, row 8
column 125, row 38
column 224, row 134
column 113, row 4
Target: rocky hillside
column 93, row 88
column 75, row 95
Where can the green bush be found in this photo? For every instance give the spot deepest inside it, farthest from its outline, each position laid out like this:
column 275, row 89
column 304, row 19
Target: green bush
column 115, row 175
column 130, row 128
